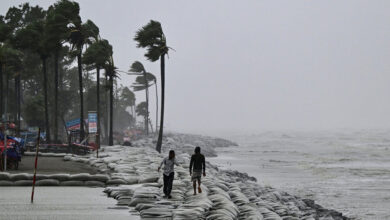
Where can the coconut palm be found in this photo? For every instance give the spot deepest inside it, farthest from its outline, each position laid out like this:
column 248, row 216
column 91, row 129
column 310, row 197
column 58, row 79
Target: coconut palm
column 34, row 37
column 98, row 54
column 111, row 72
column 151, row 37
column 142, row 83
column 80, row 35
column 59, row 16
column 129, row 97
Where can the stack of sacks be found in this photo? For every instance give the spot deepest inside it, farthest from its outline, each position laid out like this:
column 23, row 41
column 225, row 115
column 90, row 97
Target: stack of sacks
column 63, row 179
column 145, row 195
column 193, row 207
column 247, row 209
column 223, row 207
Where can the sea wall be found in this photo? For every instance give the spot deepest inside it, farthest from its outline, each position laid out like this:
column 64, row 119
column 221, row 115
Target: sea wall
column 131, row 177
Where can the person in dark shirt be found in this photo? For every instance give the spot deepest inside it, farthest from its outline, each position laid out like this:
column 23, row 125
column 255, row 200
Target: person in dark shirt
column 197, row 165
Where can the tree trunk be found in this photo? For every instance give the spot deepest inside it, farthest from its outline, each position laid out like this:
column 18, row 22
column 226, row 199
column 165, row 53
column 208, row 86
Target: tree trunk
column 110, row 138
column 81, row 96
column 106, row 105
column 160, row 134
column 47, row 128
column 6, row 97
column 56, row 97
column 155, row 85
column 19, row 103
column 1, row 90
column 15, row 110
column 98, row 106
column 147, row 105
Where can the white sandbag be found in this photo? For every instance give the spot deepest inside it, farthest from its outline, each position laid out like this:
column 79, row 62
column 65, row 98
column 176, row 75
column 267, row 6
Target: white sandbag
column 4, row 176
column 23, row 183
column 72, row 183
column 67, row 158
column 116, row 182
column 81, row 177
column 21, row 176
column 136, row 201
column 48, row 182
column 41, row 177
column 100, row 177
column 59, row 176
column 149, row 179
column 94, row 183
column 6, row 183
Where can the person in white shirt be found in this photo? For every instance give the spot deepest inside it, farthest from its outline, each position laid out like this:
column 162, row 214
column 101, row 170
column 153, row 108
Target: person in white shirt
column 169, row 173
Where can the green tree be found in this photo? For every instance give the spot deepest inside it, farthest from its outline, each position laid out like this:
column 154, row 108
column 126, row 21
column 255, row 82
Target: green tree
column 142, row 109
column 112, row 74
column 127, row 96
column 80, row 35
column 142, row 83
column 98, row 54
column 59, row 16
column 35, row 37
column 151, row 37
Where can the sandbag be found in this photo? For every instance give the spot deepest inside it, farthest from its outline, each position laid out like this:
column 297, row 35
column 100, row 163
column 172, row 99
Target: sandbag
column 59, row 176
column 136, row 201
column 4, row 176
column 23, row 183
column 94, row 183
column 41, row 177
column 72, row 183
column 48, row 182
column 6, row 183
column 100, row 177
column 81, row 177
column 21, row 176
column 116, row 182
column 148, row 179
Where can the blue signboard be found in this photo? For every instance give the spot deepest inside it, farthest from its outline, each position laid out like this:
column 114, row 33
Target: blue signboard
column 73, row 124
column 92, row 122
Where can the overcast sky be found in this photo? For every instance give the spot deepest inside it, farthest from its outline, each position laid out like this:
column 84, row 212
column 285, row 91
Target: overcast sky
column 258, row 65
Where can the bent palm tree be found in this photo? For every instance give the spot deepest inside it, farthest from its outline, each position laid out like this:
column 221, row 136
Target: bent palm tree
column 80, row 35
column 98, row 54
column 142, row 83
column 151, row 37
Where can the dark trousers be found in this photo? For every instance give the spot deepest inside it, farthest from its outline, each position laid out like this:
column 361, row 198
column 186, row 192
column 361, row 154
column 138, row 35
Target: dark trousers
column 168, row 180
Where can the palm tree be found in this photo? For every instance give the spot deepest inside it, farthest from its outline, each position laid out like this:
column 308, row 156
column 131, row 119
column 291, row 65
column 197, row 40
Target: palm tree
column 142, row 83
column 98, row 54
column 34, row 37
column 111, row 73
column 129, row 97
column 59, row 16
column 151, row 37
column 80, row 35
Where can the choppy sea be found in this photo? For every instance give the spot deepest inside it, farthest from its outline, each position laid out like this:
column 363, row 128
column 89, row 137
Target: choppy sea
column 348, row 171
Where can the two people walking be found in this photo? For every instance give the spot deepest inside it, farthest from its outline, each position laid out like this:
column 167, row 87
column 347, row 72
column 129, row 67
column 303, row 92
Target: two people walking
column 197, row 168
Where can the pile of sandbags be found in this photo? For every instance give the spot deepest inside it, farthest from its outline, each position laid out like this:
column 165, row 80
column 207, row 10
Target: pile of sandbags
column 60, row 179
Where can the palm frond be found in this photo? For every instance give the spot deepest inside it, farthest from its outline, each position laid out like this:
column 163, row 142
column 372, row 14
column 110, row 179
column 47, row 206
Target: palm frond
column 137, row 67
